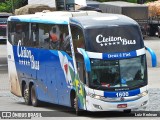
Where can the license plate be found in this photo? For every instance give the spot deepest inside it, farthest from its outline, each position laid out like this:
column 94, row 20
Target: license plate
column 121, row 105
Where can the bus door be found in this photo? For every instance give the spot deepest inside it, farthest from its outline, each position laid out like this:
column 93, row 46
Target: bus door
column 78, row 42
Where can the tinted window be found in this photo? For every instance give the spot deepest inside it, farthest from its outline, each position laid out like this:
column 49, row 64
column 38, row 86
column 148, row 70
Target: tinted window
column 54, row 36
column 18, row 31
column 78, row 42
column 47, row 36
column 34, row 37
column 113, row 39
column 78, row 38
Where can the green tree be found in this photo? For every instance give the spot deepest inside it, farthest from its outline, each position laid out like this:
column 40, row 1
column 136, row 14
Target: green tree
column 6, row 6
column 11, row 5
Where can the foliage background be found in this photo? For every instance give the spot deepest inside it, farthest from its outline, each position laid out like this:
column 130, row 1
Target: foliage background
column 11, row 5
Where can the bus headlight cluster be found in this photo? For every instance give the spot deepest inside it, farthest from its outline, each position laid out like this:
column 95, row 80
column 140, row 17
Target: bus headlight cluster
column 96, row 96
column 143, row 94
column 102, row 98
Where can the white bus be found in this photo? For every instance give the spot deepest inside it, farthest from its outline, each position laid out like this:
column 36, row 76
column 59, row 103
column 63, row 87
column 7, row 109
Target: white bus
column 86, row 60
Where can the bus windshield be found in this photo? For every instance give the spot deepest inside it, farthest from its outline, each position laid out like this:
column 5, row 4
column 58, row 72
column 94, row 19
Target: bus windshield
column 128, row 73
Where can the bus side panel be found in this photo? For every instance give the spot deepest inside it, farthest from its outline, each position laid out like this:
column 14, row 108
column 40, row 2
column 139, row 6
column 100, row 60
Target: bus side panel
column 66, row 77
column 52, row 79
column 52, row 83
column 12, row 71
column 57, row 82
column 46, row 89
column 63, row 90
column 26, row 63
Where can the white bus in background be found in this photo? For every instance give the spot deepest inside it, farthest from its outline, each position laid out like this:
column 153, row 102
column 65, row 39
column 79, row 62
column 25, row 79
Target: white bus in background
column 3, row 26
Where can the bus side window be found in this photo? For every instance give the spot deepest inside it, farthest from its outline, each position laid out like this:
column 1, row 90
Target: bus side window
column 78, row 42
column 78, row 38
column 44, row 36
column 11, row 32
column 54, row 37
column 49, row 36
column 34, row 38
column 65, row 40
column 25, row 34
column 19, row 34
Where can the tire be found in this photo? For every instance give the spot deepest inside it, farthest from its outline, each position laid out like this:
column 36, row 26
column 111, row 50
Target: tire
column 27, row 96
column 35, row 102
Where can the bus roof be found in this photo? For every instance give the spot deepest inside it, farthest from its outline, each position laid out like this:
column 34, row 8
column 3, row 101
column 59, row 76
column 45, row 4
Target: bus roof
column 103, row 19
column 57, row 17
column 92, row 18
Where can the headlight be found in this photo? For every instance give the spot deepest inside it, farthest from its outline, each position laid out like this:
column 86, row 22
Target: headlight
column 96, row 96
column 106, row 99
column 143, row 94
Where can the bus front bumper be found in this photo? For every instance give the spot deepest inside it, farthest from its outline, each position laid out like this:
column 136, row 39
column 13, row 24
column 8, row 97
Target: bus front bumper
column 93, row 104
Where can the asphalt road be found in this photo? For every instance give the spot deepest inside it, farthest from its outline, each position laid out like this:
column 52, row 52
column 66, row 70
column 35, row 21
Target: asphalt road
column 9, row 102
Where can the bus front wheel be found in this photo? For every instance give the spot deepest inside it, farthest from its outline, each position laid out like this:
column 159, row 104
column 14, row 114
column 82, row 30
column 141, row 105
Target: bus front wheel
column 35, row 102
column 26, row 95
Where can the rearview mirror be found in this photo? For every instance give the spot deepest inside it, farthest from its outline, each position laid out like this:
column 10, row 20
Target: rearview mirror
column 153, row 56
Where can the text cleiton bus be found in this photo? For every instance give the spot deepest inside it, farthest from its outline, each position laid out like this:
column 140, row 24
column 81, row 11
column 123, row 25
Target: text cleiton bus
column 86, row 60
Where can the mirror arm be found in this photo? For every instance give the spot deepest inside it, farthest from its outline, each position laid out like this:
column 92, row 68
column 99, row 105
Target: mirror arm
column 153, row 56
